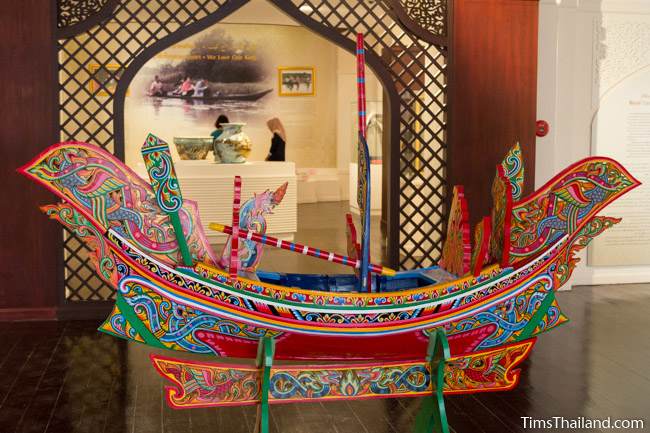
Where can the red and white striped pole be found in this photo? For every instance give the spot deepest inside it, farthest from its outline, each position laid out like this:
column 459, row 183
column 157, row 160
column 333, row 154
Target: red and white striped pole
column 234, row 239
column 361, row 84
column 302, row 249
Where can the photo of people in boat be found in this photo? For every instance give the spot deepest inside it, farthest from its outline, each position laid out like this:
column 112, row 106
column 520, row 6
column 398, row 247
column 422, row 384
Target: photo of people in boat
column 296, row 81
column 212, row 67
column 232, row 69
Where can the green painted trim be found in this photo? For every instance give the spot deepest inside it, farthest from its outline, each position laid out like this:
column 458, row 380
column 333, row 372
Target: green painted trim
column 265, row 354
column 432, row 416
column 528, row 330
column 136, row 323
column 180, row 238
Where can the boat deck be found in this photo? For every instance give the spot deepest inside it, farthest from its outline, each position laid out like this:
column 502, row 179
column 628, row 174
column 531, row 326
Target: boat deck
column 347, row 283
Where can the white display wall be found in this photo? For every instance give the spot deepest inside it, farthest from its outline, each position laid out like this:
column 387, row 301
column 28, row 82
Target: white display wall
column 594, row 58
column 318, row 126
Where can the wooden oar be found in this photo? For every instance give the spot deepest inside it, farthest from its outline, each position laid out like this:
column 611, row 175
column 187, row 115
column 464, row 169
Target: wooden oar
column 302, row 249
column 166, row 188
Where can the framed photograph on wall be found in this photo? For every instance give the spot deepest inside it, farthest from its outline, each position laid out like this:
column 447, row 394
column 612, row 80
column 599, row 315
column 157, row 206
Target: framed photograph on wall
column 296, row 81
column 103, row 75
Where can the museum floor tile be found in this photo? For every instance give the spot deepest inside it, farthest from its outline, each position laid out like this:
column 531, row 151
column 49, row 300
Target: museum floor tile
column 67, row 377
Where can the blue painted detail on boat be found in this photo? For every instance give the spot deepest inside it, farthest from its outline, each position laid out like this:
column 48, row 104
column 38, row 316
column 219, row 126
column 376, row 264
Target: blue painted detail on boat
column 345, row 283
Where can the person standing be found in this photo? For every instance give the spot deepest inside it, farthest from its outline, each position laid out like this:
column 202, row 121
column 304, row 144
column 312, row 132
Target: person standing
column 278, row 141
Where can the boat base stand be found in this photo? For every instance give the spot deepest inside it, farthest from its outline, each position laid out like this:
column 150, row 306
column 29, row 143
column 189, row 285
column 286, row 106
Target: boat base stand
column 431, row 418
column 265, row 353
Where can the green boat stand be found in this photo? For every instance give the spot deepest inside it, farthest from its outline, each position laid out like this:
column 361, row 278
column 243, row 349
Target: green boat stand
column 431, row 418
column 265, row 353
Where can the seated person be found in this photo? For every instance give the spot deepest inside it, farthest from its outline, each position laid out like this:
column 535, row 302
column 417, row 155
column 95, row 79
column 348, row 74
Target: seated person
column 199, row 88
column 187, row 88
column 156, row 87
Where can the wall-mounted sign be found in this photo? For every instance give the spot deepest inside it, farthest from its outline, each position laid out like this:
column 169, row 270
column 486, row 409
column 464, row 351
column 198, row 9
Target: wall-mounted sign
column 621, row 130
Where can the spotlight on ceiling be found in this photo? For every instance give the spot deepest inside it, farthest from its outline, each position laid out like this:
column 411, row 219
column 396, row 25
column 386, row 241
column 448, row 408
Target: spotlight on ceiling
column 306, row 9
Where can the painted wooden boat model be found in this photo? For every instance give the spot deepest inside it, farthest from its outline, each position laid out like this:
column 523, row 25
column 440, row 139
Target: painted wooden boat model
column 476, row 316
column 200, row 309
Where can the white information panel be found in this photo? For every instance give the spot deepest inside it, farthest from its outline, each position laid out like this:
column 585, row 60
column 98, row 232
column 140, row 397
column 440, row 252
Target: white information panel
column 621, row 130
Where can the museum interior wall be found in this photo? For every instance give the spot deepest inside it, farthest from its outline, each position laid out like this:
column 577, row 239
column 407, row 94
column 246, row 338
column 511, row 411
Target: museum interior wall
column 606, row 114
column 320, row 127
column 76, row 122
column 488, row 77
column 310, row 121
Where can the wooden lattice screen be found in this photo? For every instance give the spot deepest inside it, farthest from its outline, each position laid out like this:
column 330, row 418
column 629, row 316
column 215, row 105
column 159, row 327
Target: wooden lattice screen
column 406, row 41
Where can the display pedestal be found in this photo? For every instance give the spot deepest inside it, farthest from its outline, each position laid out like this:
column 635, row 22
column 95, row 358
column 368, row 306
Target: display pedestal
column 211, row 186
column 375, row 188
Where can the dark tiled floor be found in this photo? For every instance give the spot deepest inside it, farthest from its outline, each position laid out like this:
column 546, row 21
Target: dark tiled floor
column 66, row 377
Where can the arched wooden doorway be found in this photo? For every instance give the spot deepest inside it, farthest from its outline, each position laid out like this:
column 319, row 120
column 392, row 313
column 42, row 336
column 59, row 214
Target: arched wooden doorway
column 407, row 43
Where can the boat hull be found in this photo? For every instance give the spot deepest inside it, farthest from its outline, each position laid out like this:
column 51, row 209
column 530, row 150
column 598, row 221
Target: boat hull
column 207, row 99
column 203, row 310
column 165, row 308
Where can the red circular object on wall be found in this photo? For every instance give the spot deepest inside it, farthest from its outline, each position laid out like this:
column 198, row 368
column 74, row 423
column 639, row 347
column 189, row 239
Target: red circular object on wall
column 542, row 128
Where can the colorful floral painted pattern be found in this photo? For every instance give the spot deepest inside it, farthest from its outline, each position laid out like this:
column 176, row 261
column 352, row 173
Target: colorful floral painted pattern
column 111, row 196
column 457, row 249
column 174, row 325
column 205, row 384
column 164, row 182
column 449, row 286
column 163, row 305
column 481, row 247
column 100, row 255
column 513, row 169
column 118, row 326
column 501, row 218
column 291, row 309
column 567, row 260
column 565, row 204
column 507, row 320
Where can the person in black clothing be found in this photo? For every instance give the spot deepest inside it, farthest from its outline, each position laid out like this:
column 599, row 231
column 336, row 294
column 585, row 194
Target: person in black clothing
column 278, row 142
column 217, row 124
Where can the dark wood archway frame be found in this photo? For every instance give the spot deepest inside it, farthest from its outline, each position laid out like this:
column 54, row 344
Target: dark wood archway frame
column 324, row 25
